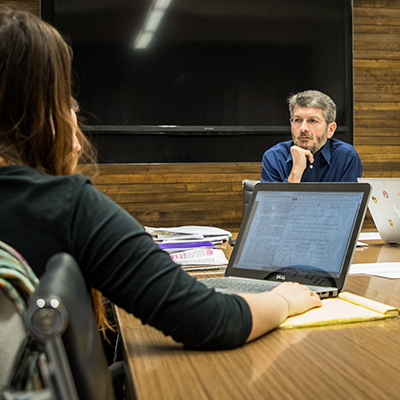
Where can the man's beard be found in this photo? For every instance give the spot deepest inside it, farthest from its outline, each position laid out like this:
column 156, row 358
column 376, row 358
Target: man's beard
column 314, row 147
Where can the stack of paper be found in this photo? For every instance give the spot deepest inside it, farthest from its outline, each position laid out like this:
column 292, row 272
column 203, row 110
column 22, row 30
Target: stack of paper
column 389, row 270
column 192, row 245
column 189, row 233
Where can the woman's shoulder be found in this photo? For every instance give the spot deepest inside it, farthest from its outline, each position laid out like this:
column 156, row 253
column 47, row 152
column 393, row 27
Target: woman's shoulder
column 25, row 172
column 35, row 181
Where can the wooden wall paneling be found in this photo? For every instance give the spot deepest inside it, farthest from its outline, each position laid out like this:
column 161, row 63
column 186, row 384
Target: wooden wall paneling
column 377, row 86
column 391, row 4
column 163, row 195
column 31, row 5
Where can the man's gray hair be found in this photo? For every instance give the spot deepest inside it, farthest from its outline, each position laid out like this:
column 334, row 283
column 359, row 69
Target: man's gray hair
column 314, row 99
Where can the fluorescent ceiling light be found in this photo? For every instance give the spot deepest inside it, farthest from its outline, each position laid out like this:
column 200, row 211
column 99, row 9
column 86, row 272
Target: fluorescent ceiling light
column 143, row 40
column 152, row 22
column 163, row 4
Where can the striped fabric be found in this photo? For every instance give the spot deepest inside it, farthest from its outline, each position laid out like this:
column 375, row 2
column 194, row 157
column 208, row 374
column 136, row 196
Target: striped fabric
column 17, row 280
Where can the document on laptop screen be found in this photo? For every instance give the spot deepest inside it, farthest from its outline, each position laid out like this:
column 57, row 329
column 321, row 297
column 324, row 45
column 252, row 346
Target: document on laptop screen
column 289, row 229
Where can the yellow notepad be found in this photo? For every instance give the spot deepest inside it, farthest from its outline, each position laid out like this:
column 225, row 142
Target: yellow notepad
column 346, row 308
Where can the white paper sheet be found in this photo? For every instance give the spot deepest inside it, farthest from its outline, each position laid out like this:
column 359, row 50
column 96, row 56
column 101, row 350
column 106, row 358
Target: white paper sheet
column 386, row 270
column 369, row 236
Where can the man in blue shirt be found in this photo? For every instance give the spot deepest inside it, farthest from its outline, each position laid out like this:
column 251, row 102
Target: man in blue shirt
column 312, row 155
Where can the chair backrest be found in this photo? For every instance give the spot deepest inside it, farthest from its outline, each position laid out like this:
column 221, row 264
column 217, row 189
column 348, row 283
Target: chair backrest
column 248, row 186
column 60, row 318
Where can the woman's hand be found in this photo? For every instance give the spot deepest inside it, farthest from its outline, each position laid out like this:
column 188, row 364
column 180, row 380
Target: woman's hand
column 269, row 309
column 299, row 297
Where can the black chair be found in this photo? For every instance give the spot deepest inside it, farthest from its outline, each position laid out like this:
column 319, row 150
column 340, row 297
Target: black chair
column 62, row 330
column 248, row 186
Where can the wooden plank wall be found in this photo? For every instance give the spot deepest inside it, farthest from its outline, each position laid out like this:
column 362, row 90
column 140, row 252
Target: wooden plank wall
column 162, row 195
column 377, row 86
column 31, row 5
column 167, row 195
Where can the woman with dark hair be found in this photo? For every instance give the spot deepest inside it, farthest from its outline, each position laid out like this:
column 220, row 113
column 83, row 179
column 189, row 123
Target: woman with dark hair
column 47, row 209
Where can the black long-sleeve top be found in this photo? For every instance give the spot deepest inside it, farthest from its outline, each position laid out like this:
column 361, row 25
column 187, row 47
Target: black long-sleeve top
column 43, row 214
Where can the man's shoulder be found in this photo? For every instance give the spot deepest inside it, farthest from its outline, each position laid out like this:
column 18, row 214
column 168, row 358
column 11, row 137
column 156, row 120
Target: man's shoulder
column 342, row 147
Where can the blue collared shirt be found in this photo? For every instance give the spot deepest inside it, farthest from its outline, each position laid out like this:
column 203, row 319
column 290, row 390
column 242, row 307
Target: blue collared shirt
column 337, row 161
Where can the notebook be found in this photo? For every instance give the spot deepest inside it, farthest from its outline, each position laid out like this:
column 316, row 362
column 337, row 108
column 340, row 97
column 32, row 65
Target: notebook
column 384, row 206
column 300, row 232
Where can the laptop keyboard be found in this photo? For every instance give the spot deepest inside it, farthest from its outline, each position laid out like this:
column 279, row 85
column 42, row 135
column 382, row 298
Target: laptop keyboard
column 237, row 286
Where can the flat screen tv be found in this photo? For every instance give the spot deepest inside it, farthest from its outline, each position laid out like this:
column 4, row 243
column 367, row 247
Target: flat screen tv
column 202, row 80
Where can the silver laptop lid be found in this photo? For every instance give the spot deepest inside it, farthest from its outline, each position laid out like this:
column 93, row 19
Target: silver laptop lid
column 384, row 206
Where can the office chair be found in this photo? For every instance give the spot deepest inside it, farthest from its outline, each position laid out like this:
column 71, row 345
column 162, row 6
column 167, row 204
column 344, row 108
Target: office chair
column 63, row 338
column 248, row 186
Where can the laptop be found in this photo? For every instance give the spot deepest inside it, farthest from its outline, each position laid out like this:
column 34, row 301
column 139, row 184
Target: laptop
column 384, row 206
column 300, row 232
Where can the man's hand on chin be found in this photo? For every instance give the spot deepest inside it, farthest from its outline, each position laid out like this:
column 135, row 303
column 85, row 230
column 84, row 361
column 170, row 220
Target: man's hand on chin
column 299, row 158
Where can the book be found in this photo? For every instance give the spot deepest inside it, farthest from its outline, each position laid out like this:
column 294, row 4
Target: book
column 200, row 257
column 172, row 247
column 346, row 308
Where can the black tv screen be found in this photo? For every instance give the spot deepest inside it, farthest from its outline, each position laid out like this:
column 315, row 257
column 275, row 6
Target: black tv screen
column 202, row 80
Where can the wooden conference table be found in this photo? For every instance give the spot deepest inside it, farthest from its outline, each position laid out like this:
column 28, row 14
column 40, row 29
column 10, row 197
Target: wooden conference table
column 350, row 361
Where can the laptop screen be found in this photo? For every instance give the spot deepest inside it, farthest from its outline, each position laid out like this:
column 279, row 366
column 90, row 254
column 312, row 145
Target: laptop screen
column 297, row 231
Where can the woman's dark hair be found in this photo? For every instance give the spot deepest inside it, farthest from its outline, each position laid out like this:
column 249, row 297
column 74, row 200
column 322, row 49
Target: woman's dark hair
column 36, row 127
